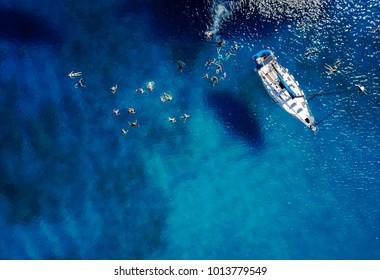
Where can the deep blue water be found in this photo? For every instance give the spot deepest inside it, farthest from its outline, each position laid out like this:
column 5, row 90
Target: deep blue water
column 240, row 179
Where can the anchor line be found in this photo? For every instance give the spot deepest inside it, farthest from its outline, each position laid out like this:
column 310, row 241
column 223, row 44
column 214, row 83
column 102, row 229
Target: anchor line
column 336, row 109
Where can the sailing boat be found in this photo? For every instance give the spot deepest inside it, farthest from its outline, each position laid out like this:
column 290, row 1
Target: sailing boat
column 283, row 88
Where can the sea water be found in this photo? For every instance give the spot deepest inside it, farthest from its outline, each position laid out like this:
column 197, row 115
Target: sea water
column 239, row 179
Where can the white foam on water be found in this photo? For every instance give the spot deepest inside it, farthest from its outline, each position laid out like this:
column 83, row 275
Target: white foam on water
column 223, row 10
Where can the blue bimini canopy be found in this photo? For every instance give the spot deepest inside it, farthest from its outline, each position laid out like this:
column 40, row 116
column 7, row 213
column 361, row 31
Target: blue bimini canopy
column 261, row 54
column 264, row 54
column 291, row 92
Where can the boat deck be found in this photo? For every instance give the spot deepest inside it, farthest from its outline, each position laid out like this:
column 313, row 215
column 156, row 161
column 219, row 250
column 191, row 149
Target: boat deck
column 288, row 96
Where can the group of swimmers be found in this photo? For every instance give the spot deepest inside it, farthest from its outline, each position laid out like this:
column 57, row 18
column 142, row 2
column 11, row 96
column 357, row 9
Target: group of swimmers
column 217, row 61
column 149, row 86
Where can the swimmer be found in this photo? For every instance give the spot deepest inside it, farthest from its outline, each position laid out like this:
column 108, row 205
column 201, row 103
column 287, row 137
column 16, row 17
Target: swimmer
column 113, row 89
column 166, row 97
column 208, row 34
column 301, row 26
column 311, row 51
column 218, row 69
column 141, row 90
column 235, row 46
column 150, row 86
column 221, row 43
column 173, row 120
column 224, row 76
column 374, row 30
column 308, row 53
column 134, row 123
column 116, row 111
column 214, row 80
column 208, row 63
column 228, row 54
column 131, row 110
column 185, row 117
column 73, row 74
column 331, row 69
column 79, row 84
column 205, row 76
column 124, row 131
column 181, row 65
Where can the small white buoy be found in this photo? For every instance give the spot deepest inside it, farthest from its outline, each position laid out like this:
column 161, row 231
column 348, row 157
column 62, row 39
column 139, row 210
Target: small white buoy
column 362, row 89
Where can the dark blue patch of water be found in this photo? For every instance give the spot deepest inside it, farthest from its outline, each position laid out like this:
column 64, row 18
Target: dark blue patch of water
column 236, row 115
column 27, row 28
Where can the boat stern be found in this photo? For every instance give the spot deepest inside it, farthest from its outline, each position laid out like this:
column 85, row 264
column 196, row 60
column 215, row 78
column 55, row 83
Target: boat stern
column 262, row 58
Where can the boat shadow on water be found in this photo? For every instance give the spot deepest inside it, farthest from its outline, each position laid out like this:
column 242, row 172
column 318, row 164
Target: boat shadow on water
column 237, row 117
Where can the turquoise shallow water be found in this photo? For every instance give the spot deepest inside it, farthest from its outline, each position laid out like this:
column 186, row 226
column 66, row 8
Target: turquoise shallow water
column 240, row 179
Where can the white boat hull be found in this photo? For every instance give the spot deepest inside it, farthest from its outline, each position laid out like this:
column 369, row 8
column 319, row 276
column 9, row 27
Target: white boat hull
column 283, row 88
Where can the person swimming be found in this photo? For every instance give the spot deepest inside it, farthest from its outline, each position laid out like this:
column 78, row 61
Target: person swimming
column 113, row 89
column 150, row 85
column 116, row 111
column 141, row 90
column 135, row 123
column 173, row 120
column 331, row 69
column 214, row 80
column 185, row 117
column 208, row 34
column 311, row 51
column 73, row 74
column 224, row 76
column 181, row 65
column 131, row 110
column 124, row 131
column 218, row 68
column 79, row 84
column 166, row 97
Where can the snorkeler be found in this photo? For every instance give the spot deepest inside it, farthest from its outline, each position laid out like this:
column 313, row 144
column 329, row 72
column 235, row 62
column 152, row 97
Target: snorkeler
column 73, row 74
column 181, row 65
column 235, row 46
column 221, row 43
column 173, row 120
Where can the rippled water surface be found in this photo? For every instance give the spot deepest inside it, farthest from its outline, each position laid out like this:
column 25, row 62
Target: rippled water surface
column 239, row 179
